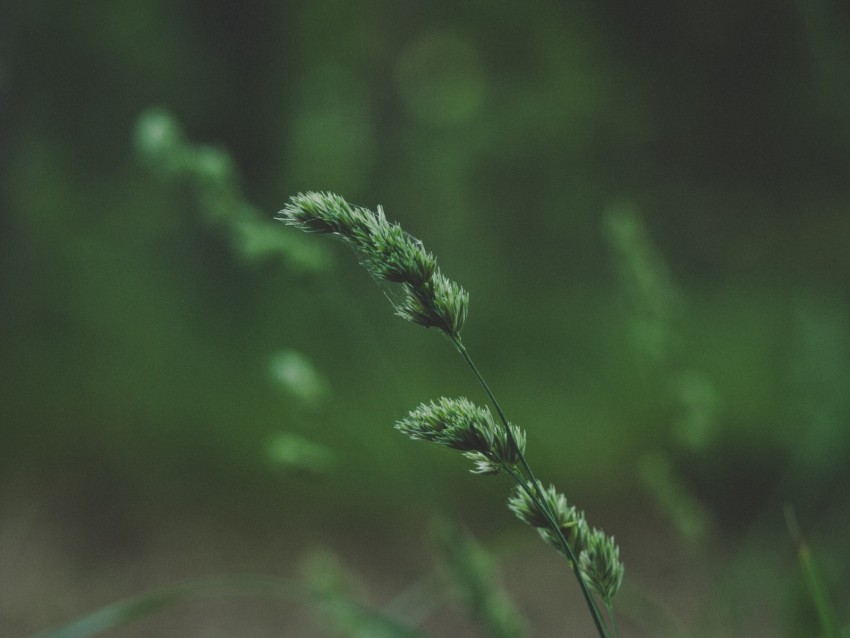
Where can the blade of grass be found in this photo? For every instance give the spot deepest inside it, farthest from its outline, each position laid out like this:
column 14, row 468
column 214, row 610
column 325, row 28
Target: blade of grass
column 814, row 583
column 476, row 581
column 143, row 605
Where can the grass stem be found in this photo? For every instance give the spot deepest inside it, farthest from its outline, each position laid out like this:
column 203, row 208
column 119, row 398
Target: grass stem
column 535, row 493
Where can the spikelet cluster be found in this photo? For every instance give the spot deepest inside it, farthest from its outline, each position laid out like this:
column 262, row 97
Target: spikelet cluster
column 388, row 253
column 601, row 566
column 598, row 554
column 461, row 425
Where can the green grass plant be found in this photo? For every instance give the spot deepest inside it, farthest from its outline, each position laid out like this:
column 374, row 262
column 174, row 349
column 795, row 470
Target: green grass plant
column 494, row 445
column 816, row 588
column 473, row 575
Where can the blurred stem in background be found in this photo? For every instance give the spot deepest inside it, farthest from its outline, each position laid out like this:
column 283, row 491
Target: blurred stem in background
column 815, row 586
column 655, row 311
column 829, row 57
column 474, row 575
column 213, row 180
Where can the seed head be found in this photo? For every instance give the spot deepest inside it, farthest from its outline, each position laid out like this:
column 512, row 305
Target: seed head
column 462, row 425
column 529, row 508
column 389, row 253
column 455, row 423
column 600, row 564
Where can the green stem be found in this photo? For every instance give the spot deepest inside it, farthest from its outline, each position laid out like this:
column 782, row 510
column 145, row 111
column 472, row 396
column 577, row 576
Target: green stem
column 610, row 607
column 537, row 495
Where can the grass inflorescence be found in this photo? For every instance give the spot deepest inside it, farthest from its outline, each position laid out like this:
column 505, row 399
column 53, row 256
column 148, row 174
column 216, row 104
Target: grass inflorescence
column 496, row 446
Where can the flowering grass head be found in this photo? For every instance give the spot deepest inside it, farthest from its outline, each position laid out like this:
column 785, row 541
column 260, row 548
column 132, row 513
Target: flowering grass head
column 388, row 253
column 462, row 425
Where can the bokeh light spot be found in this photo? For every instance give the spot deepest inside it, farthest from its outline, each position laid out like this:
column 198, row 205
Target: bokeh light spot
column 441, row 80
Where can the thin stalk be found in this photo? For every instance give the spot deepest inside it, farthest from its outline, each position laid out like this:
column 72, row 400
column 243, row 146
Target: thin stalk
column 550, row 516
column 610, row 608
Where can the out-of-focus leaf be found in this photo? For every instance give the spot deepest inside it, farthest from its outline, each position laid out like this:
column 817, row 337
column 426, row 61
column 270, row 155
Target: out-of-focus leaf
column 145, row 604
column 814, row 583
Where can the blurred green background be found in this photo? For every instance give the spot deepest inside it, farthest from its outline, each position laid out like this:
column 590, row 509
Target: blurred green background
column 648, row 203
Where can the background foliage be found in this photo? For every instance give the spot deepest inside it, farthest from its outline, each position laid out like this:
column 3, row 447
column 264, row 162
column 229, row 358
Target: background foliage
column 647, row 202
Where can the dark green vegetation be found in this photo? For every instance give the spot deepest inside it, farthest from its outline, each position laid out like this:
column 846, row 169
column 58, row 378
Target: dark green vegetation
column 647, row 202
